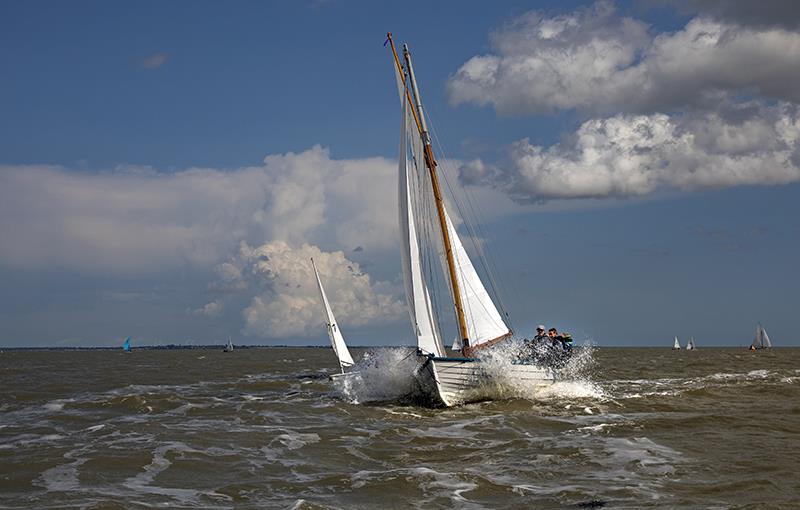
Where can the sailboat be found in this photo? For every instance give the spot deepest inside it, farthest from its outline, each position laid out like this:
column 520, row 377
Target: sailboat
column 126, row 347
column 427, row 234
column 676, row 346
column 229, row 347
column 337, row 340
column 690, row 344
column 761, row 341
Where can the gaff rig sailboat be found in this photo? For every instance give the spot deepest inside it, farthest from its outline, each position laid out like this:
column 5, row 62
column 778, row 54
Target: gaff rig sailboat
column 427, row 232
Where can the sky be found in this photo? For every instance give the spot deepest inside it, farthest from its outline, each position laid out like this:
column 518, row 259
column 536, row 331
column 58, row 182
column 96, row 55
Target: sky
column 167, row 169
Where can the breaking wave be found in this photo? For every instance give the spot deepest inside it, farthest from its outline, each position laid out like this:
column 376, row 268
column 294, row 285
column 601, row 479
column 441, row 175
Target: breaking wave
column 382, row 375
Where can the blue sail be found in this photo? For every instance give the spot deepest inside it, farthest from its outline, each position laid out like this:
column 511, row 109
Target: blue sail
column 127, row 345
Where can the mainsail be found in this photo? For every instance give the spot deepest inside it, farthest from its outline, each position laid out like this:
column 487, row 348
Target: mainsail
column 417, row 294
column 127, row 345
column 690, row 344
column 337, row 341
column 676, row 345
column 482, row 320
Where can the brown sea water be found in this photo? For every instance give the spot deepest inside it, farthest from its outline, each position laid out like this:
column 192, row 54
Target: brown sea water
column 264, row 428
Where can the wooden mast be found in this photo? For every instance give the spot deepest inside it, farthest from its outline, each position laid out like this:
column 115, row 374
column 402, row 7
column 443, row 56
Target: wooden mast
column 430, row 162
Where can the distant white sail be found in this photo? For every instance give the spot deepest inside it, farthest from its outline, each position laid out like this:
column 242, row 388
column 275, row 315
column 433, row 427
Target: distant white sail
column 337, row 341
column 690, row 344
column 676, row 345
column 765, row 338
column 761, row 341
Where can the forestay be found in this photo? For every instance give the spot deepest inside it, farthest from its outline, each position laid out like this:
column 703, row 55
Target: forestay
column 337, row 341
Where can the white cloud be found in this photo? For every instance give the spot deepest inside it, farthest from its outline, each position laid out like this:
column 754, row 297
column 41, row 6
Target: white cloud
column 628, row 155
column 285, row 301
column 596, row 61
column 211, row 310
column 155, row 60
column 136, row 220
column 763, row 13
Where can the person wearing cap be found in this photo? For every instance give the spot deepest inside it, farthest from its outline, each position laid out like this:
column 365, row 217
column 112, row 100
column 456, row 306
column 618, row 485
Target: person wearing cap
column 540, row 334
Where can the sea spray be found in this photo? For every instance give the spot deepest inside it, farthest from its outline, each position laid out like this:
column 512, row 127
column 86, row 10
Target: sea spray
column 384, row 374
column 387, row 375
column 572, row 380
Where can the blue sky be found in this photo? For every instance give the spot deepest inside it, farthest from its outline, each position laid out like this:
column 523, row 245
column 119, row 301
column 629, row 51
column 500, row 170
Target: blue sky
column 636, row 165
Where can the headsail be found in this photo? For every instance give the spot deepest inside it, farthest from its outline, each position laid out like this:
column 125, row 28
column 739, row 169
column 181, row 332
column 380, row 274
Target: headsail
column 484, row 322
column 337, row 341
column 765, row 339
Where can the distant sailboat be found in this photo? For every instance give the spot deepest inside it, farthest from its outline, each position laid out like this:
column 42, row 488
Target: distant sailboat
column 337, row 340
column 690, row 344
column 676, row 346
column 229, row 347
column 127, row 345
column 761, row 341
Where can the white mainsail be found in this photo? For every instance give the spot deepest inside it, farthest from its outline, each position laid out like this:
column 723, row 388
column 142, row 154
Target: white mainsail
column 483, row 320
column 690, row 344
column 676, row 345
column 417, row 294
column 337, row 341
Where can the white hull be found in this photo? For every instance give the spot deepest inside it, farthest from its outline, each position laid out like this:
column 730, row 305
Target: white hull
column 344, row 375
column 453, row 381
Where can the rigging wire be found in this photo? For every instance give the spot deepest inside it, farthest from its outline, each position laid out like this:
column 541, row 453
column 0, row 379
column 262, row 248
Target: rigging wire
column 469, row 214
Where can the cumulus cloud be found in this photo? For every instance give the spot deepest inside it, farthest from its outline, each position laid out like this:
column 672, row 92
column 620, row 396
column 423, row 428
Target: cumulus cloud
column 629, row 155
column 136, row 220
column 594, row 60
column 764, row 13
column 211, row 310
column 155, row 60
column 285, row 301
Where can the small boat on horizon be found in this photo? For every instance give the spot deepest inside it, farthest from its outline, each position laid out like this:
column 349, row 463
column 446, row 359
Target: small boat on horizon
column 761, row 341
column 337, row 340
column 229, row 346
column 676, row 346
column 126, row 347
column 690, row 344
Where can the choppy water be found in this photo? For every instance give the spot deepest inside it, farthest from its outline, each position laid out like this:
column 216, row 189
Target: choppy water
column 264, row 428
